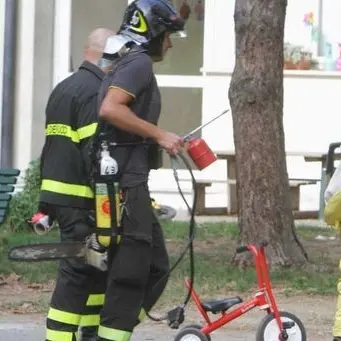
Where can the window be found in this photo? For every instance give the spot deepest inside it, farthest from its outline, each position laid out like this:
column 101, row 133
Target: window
column 186, row 56
column 312, row 35
column 181, row 111
column 88, row 15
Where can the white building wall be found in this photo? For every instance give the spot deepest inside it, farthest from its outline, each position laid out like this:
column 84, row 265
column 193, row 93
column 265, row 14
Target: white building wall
column 43, row 71
column 2, row 32
column 61, row 39
column 34, row 68
column 23, row 115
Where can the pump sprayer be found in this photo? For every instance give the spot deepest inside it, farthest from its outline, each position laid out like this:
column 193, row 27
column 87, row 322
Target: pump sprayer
column 197, row 148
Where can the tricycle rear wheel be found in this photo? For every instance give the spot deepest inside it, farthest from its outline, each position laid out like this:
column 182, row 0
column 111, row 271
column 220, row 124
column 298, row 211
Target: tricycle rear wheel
column 190, row 334
column 197, row 326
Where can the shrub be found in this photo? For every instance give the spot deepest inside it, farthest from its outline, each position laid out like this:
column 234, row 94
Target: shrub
column 25, row 203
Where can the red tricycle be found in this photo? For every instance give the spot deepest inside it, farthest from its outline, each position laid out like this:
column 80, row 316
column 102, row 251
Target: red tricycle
column 275, row 326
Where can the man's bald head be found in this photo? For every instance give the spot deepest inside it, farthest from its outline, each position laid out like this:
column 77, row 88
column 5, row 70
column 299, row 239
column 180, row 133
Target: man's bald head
column 95, row 44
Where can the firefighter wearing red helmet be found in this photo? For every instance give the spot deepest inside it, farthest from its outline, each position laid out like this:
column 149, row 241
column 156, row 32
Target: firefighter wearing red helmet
column 129, row 110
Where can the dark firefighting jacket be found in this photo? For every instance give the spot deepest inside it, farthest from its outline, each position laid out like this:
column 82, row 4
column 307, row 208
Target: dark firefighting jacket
column 71, row 119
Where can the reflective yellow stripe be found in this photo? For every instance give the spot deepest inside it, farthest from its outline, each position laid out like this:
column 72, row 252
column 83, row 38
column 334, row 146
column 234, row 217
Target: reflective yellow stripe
column 87, row 131
column 62, row 130
column 68, row 189
column 113, row 334
column 142, row 315
column 63, row 317
column 95, row 299
column 54, row 335
column 66, row 131
column 89, row 320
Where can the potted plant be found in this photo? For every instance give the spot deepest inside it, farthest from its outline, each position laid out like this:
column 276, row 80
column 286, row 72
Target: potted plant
column 288, row 62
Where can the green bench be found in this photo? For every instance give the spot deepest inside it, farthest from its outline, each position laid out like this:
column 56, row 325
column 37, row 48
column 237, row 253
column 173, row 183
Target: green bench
column 8, row 178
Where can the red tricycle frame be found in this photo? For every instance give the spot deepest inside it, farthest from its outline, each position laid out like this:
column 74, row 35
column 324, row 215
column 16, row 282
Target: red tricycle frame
column 263, row 298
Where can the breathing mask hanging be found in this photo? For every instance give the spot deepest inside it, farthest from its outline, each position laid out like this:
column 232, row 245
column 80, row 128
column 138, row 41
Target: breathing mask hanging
column 116, row 47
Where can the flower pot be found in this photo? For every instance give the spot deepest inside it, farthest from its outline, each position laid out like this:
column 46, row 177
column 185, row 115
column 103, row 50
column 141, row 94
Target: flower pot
column 289, row 65
column 304, row 64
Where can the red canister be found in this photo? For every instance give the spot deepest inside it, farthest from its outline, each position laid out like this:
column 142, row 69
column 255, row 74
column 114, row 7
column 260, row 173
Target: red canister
column 200, row 153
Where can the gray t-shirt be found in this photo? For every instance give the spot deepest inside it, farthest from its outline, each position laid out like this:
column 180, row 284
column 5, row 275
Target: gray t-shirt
column 134, row 75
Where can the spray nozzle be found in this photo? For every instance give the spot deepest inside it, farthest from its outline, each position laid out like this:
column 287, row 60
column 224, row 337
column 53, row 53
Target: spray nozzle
column 190, row 135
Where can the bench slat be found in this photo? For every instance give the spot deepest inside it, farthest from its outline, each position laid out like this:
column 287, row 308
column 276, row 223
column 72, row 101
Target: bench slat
column 5, row 196
column 303, row 179
column 8, row 180
column 9, row 172
column 4, row 204
column 2, row 215
column 6, row 189
column 293, row 182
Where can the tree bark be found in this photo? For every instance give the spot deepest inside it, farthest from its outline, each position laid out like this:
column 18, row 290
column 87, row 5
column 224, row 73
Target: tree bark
column 256, row 99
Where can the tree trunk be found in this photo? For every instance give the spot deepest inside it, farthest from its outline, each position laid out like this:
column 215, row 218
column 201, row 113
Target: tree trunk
column 256, row 98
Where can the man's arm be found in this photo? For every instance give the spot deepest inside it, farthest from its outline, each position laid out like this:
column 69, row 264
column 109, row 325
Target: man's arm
column 129, row 81
column 115, row 110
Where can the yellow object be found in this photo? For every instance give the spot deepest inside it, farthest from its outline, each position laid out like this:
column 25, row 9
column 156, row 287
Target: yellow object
column 332, row 211
column 155, row 205
column 55, row 335
column 113, row 334
column 337, row 316
column 118, row 208
column 139, row 24
column 103, row 216
column 67, row 189
column 65, row 130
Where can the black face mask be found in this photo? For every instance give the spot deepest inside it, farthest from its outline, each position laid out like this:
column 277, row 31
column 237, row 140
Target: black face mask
column 155, row 46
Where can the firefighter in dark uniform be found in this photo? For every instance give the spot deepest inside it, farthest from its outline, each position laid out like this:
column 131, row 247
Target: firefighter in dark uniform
column 71, row 119
column 130, row 106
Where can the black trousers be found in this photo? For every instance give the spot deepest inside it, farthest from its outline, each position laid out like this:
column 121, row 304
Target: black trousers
column 140, row 262
column 79, row 292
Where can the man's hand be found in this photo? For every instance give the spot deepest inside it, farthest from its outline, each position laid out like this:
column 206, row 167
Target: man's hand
column 171, row 142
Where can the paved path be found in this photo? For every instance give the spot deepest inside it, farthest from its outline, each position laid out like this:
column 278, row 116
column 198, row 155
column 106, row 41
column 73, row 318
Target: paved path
column 317, row 314
column 26, row 328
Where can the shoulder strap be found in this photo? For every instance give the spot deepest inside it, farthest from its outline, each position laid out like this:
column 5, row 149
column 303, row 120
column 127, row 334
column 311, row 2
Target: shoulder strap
column 131, row 149
column 101, row 126
column 144, row 116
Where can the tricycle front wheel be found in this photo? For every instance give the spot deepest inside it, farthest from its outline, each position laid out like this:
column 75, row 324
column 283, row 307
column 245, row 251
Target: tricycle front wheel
column 269, row 330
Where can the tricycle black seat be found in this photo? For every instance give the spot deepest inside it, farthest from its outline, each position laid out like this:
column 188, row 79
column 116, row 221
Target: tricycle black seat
column 216, row 306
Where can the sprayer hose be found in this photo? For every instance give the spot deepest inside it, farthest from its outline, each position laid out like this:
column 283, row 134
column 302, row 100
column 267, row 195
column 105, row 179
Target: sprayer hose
column 191, row 236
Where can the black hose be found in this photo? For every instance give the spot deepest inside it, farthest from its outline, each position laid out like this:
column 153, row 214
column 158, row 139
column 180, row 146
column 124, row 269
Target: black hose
column 192, row 226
